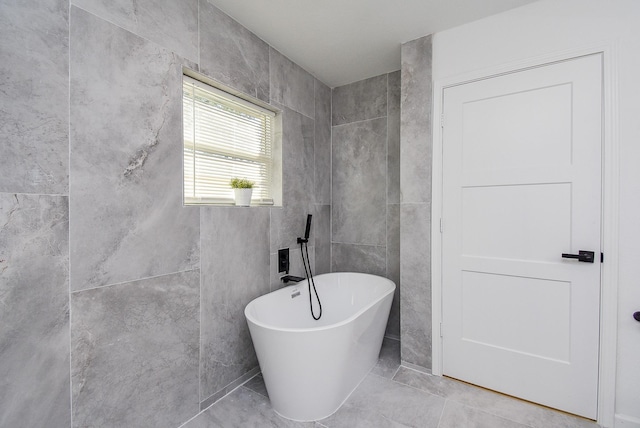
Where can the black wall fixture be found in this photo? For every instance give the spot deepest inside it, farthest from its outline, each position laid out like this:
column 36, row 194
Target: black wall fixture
column 283, row 260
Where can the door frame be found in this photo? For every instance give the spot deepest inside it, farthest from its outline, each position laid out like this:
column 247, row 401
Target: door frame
column 610, row 209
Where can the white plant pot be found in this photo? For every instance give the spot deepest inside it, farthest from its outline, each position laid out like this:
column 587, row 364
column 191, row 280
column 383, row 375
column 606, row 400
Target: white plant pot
column 243, row 197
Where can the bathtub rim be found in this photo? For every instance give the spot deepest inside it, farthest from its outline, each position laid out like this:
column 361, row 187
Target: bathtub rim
column 252, row 319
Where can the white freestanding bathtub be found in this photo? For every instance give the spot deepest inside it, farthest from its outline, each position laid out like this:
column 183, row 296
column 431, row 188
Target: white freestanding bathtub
column 311, row 367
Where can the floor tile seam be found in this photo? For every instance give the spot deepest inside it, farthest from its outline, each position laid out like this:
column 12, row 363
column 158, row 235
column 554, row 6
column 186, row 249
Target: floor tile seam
column 243, row 386
column 450, row 398
column 413, row 387
column 409, row 386
column 395, row 373
column 486, row 412
column 495, row 394
column 185, row 423
column 481, row 409
column 362, row 408
column 394, row 421
column 221, row 398
column 446, row 400
column 374, row 411
column 251, row 389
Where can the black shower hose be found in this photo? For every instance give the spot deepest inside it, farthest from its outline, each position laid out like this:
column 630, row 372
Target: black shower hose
column 305, row 248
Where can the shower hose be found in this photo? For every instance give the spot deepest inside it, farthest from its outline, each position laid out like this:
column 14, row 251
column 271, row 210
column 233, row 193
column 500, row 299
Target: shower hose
column 307, row 270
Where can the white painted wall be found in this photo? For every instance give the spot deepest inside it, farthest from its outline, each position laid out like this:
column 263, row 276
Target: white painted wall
column 550, row 27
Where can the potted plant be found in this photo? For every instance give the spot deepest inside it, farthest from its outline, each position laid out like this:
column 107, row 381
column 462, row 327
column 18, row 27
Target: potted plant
column 243, row 189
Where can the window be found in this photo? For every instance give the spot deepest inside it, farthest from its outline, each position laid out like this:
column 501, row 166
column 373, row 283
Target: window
column 225, row 137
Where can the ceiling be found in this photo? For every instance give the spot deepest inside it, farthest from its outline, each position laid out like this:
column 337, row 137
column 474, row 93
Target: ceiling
column 343, row 41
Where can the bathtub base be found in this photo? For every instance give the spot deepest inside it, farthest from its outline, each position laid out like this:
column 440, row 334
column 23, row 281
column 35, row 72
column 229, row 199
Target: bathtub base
column 317, row 415
column 309, row 373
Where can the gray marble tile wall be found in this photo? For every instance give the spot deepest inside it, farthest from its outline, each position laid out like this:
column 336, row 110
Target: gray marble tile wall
column 365, row 187
column 173, row 25
column 34, row 314
column 34, row 214
column 126, row 173
column 34, row 129
column 322, row 168
column 235, row 270
column 232, row 54
column 126, row 308
column 135, row 352
column 415, row 202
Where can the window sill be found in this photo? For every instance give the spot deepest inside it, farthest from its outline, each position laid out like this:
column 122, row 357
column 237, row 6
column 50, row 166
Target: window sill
column 226, row 203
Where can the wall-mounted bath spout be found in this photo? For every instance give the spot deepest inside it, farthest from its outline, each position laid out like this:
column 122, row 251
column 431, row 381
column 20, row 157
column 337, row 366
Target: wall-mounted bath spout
column 291, row 278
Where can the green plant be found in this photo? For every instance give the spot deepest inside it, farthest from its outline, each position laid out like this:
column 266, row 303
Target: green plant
column 241, row 183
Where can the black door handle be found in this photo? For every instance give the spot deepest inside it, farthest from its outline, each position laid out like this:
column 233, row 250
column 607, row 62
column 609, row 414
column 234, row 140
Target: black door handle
column 582, row 256
column 636, row 316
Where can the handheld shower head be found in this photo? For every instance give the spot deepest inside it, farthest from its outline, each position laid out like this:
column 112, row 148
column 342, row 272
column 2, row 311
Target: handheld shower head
column 308, row 228
column 307, row 231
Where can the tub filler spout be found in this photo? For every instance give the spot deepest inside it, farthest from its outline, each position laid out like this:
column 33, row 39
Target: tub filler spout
column 291, row 278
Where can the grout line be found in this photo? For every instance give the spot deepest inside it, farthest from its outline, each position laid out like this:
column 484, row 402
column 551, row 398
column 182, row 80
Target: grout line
column 330, row 180
column 200, row 258
column 477, row 389
column 386, row 189
column 315, row 164
column 360, row 245
column 134, row 280
column 395, row 373
column 404, row 204
column 69, row 219
column 270, row 75
column 200, row 301
column 416, row 368
column 240, row 385
column 416, row 388
column 359, row 121
column 133, row 32
column 251, row 391
column 58, row 195
column 270, row 241
column 315, row 85
column 446, row 400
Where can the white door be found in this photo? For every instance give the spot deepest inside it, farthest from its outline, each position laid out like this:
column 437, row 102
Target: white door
column 522, row 186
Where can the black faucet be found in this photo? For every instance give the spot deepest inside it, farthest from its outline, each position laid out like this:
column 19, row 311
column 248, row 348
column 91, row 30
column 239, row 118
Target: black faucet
column 291, row 278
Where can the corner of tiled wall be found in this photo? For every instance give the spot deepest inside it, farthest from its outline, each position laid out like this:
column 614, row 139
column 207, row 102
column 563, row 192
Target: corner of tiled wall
column 415, row 203
column 322, row 169
column 365, row 190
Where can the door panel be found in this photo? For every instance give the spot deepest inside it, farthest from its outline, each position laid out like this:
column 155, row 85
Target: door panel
column 528, row 298
column 543, row 139
column 521, row 186
column 488, row 210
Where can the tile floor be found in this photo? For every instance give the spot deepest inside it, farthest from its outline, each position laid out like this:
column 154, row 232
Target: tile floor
column 393, row 396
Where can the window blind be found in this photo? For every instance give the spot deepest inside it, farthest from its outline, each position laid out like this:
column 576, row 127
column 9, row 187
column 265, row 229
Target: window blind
column 224, row 137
